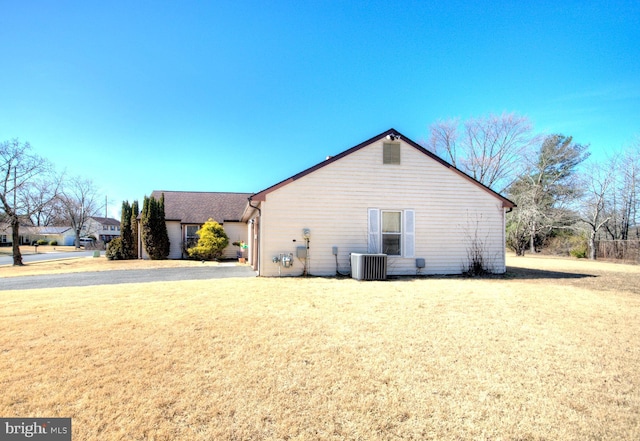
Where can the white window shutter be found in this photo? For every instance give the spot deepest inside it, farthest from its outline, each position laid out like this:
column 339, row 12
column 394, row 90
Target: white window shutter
column 374, row 230
column 409, row 233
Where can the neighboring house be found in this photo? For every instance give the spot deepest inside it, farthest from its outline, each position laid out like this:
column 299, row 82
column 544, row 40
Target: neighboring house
column 103, row 228
column 62, row 235
column 5, row 234
column 387, row 195
column 30, row 234
column 185, row 212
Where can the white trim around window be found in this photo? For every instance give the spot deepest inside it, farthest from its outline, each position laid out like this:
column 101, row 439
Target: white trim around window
column 391, row 232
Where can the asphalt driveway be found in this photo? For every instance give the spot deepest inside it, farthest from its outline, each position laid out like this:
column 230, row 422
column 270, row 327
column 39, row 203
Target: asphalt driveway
column 124, row 276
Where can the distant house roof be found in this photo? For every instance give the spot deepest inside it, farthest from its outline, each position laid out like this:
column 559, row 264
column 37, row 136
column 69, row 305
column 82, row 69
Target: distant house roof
column 51, row 230
column 37, row 230
column 197, row 207
column 261, row 196
column 106, row 220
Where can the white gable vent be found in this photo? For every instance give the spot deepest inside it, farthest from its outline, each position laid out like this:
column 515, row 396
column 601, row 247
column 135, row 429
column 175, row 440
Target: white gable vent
column 369, row 266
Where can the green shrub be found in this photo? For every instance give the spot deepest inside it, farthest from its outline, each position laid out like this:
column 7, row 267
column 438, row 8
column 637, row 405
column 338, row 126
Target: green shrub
column 53, row 243
column 42, row 242
column 212, row 240
column 567, row 243
column 115, row 250
column 579, row 251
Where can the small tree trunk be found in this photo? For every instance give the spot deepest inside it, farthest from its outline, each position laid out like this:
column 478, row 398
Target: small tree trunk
column 15, row 234
column 592, row 245
column 520, row 247
column 532, row 240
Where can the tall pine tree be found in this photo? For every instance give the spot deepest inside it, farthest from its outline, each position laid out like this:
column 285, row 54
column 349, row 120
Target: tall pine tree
column 134, row 229
column 163, row 235
column 125, row 230
column 155, row 238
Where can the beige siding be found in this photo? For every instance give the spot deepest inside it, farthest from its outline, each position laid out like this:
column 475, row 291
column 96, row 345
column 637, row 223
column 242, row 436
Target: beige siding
column 236, row 231
column 333, row 201
column 174, row 230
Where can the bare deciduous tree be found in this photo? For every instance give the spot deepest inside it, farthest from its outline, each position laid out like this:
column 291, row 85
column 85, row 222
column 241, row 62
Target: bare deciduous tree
column 79, row 200
column 596, row 183
column 622, row 199
column 490, row 149
column 44, row 211
column 21, row 171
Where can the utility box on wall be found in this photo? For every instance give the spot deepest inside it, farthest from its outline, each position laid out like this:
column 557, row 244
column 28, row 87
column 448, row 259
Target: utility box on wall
column 301, row 252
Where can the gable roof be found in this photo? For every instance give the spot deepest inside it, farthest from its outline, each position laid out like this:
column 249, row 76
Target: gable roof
column 50, row 230
column 106, row 220
column 190, row 207
column 261, row 196
column 43, row 230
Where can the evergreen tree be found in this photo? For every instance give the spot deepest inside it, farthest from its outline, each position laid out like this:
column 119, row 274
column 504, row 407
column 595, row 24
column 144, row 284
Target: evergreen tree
column 145, row 229
column 125, row 231
column 134, row 229
column 154, row 229
column 545, row 194
column 115, row 250
column 163, row 235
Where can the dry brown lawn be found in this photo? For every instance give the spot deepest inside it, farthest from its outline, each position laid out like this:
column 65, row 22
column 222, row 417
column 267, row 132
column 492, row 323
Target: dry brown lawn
column 549, row 352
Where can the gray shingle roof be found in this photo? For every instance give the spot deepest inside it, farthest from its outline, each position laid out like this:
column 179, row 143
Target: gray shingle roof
column 106, row 220
column 197, row 207
column 50, row 230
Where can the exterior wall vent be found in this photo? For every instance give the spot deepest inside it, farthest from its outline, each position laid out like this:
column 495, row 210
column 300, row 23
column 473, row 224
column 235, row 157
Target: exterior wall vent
column 369, row 266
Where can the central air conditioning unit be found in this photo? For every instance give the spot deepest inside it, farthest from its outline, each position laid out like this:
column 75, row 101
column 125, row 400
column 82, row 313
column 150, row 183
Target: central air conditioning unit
column 369, row 266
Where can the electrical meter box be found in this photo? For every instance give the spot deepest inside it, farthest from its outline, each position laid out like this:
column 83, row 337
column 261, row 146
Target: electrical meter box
column 301, row 252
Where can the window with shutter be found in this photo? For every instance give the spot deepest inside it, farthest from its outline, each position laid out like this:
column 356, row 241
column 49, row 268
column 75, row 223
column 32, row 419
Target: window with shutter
column 392, row 232
column 409, row 233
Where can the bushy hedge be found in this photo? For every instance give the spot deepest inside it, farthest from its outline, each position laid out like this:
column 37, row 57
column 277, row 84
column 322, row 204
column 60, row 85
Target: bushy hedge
column 53, row 243
column 115, row 250
column 567, row 244
column 212, row 240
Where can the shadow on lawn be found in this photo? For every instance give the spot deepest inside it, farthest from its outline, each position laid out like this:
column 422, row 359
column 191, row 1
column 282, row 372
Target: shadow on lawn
column 527, row 273
column 513, row 273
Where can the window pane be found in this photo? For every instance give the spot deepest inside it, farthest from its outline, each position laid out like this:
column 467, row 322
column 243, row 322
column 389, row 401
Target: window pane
column 391, row 244
column 391, row 222
column 191, row 230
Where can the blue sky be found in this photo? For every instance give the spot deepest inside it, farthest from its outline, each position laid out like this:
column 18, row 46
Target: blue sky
column 236, row 96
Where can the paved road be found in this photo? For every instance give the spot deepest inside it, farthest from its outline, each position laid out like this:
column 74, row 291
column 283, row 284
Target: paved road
column 26, row 258
column 126, row 276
